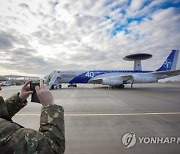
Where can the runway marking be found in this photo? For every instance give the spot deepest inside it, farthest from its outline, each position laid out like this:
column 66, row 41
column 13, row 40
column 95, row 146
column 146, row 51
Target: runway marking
column 106, row 114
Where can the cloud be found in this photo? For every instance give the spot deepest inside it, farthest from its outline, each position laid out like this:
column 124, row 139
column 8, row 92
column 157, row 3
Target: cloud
column 24, row 5
column 11, row 38
column 5, row 42
column 85, row 34
column 136, row 5
column 24, row 60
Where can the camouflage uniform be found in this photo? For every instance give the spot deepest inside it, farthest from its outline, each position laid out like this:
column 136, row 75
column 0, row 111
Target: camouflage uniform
column 19, row 140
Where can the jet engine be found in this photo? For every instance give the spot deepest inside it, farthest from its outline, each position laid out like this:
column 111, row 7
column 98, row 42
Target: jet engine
column 112, row 82
column 144, row 78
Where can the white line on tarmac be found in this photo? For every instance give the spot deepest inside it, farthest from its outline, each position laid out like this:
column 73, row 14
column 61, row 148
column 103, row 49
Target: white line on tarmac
column 104, row 114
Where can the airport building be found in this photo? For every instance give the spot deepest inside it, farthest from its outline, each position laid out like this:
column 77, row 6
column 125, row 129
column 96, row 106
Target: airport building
column 16, row 79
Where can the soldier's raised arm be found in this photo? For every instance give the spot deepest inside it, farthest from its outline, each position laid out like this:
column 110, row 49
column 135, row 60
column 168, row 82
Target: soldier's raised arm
column 17, row 101
column 15, row 138
column 52, row 118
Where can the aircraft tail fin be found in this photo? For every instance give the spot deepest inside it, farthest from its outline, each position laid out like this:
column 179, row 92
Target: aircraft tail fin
column 171, row 61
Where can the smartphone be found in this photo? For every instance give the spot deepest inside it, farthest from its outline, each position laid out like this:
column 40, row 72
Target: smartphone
column 34, row 97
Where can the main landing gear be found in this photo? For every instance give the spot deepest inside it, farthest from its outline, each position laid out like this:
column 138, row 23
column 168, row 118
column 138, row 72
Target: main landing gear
column 72, row 85
column 131, row 84
column 118, row 86
column 121, row 86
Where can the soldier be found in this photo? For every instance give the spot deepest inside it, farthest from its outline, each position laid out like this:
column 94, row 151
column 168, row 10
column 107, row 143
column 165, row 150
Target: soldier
column 16, row 139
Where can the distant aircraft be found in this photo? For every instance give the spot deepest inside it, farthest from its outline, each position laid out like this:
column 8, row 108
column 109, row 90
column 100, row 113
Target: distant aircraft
column 116, row 78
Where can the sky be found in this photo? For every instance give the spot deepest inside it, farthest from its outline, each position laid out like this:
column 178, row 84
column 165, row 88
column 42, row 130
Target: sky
column 39, row 36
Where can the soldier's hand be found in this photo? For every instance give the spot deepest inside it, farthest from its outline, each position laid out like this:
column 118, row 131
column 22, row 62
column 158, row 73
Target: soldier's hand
column 25, row 91
column 44, row 94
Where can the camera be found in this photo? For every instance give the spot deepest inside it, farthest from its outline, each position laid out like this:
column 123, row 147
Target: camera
column 34, row 97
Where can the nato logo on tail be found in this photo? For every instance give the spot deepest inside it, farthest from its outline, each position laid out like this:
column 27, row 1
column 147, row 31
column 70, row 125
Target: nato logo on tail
column 167, row 64
column 171, row 61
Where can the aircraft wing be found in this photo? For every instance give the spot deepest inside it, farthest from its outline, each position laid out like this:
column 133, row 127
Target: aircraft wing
column 96, row 80
column 165, row 74
column 121, row 78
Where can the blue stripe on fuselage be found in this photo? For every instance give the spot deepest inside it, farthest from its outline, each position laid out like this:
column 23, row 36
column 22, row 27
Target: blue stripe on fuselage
column 86, row 76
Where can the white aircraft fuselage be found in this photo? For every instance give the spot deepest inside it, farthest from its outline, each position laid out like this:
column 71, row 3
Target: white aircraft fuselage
column 115, row 77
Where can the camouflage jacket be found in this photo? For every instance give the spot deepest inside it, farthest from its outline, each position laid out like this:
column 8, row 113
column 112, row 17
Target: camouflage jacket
column 50, row 139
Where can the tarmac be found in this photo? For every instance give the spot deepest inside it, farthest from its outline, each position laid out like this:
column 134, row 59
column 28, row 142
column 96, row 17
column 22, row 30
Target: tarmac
column 96, row 118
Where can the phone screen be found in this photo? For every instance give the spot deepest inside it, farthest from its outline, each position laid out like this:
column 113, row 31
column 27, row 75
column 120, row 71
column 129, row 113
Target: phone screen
column 34, row 97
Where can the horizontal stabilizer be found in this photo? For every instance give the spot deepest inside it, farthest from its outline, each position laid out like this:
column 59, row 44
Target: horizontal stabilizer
column 165, row 74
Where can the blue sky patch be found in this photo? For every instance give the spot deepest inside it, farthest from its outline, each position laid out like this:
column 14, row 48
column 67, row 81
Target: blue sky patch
column 123, row 27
